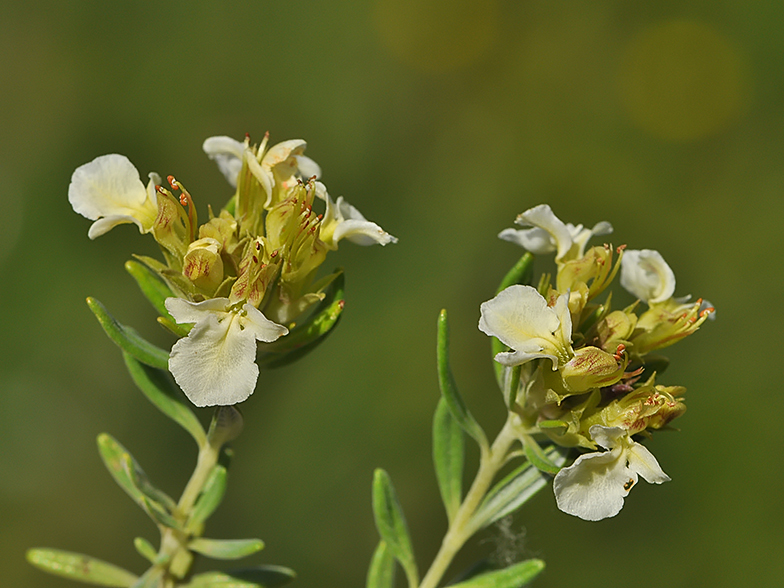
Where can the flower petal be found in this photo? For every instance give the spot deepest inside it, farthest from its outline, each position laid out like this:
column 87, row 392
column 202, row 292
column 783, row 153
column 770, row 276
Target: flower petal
column 594, row 486
column 262, row 328
column 110, row 186
column 343, row 221
column 644, row 463
column 184, row 311
column 215, row 363
column 537, row 241
column 542, row 216
column 307, row 167
column 645, row 274
column 520, row 318
column 227, row 153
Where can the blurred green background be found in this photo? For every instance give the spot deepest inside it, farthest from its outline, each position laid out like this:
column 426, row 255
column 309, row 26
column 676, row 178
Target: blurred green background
column 441, row 120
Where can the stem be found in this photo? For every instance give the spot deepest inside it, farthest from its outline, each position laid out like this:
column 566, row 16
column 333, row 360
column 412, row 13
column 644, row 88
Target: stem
column 174, row 553
column 491, row 460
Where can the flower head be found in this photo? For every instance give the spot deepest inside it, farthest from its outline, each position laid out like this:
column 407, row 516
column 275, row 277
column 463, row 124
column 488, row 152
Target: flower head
column 215, row 363
column 521, row 319
column 108, row 190
column 595, row 485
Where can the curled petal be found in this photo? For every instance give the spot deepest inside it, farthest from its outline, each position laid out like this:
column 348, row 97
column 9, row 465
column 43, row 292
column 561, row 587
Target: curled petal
column 520, row 318
column 543, row 218
column 644, row 463
column 307, row 167
column 581, row 236
column 110, row 191
column 645, row 274
column 227, row 153
column 343, row 221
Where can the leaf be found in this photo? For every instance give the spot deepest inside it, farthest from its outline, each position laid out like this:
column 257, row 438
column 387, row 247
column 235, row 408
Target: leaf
column 538, row 458
column 391, row 524
column 145, row 549
column 513, row 491
column 256, row 577
column 81, row 568
column 446, row 382
column 151, row 285
column 159, row 389
column 210, row 498
column 304, row 338
column 381, row 573
column 131, row 478
column 514, row 576
column 521, row 273
column 127, row 339
column 449, row 457
column 226, row 548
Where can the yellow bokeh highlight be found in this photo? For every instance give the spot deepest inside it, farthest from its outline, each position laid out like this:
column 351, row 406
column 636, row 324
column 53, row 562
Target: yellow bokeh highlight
column 682, row 80
column 437, row 35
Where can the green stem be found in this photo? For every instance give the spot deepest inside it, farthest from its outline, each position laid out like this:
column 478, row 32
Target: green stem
column 461, row 529
column 174, row 553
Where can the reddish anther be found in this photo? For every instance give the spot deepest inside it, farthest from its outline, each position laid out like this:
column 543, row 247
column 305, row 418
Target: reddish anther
column 159, row 189
column 620, row 248
column 619, row 351
column 183, row 199
column 173, row 182
column 707, row 311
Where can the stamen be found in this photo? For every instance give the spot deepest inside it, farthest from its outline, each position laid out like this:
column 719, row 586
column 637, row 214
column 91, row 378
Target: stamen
column 619, row 351
column 620, row 248
column 707, row 311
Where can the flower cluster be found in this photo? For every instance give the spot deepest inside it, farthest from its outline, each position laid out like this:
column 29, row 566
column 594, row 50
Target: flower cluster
column 586, row 372
column 248, row 274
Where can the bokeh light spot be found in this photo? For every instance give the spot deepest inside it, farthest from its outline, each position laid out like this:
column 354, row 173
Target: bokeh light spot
column 682, row 80
column 439, row 35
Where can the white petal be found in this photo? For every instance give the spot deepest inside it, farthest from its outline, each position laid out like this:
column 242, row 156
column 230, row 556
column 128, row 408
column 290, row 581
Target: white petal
column 227, row 153
column 581, row 236
column 262, row 328
column 607, row 437
column 543, row 217
column 645, row 274
column 594, row 486
column 281, row 152
column 642, row 461
column 109, row 186
column 104, row 225
column 520, row 318
column 537, row 241
column 343, row 221
column 307, row 167
column 215, row 363
column 184, row 311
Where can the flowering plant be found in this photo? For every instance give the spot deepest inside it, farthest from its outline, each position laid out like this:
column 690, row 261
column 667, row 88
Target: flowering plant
column 241, row 293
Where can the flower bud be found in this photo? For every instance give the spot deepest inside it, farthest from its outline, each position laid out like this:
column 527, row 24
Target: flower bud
column 172, row 228
column 616, row 329
column 592, row 367
column 647, row 407
column 203, row 265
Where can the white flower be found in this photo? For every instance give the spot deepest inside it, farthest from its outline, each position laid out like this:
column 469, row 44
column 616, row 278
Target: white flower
column 645, row 274
column 285, row 158
column 520, row 318
column 343, row 221
column 594, row 486
column 108, row 190
column 215, row 363
column 550, row 234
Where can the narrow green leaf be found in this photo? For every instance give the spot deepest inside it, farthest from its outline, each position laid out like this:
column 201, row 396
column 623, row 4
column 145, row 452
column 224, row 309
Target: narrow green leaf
column 304, row 338
column 449, row 457
column 152, row 578
column 127, row 339
column 446, row 382
column 521, row 273
column 226, row 548
column 145, row 549
column 382, row 568
column 391, row 525
column 131, row 478
column 514, row 576
column 210, row 498
column 256, row 577
column 159, row 389
column 514, row 490
column 151, row 285
column 539, row 458
column 81, row 568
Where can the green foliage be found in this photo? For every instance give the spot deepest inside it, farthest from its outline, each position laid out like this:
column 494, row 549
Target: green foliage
column 127, row 339
column 81, row 568
column 382, row 568
column 210, row 498
column 256, row 577
column 153, row 288
column 226, row 548
column 158, row 387
column 514, row 576
column 448, row 457
column 391, row 525
column 446, row 382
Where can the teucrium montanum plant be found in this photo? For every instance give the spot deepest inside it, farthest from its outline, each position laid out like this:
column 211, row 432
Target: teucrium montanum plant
column 239, row 291
column 579, row 381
